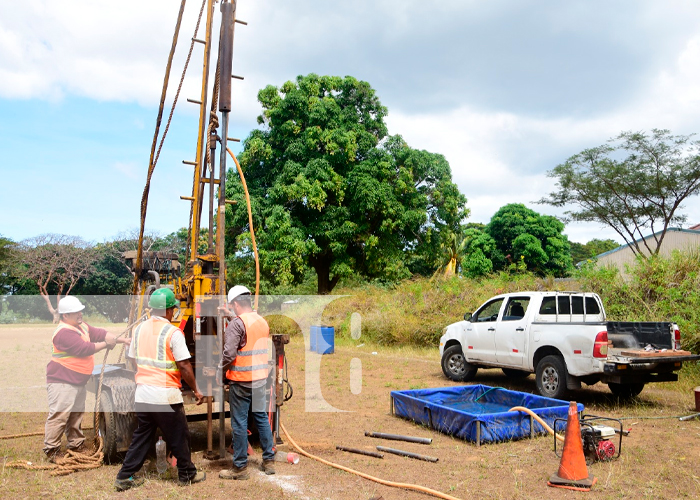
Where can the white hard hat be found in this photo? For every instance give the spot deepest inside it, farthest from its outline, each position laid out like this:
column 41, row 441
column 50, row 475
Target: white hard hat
column 69, row 304
column 236, row 291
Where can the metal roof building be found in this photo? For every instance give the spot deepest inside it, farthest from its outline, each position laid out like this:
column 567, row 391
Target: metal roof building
column 675, row 239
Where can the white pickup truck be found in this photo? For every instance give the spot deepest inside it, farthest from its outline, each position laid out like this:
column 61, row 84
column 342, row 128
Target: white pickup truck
column 564, row 338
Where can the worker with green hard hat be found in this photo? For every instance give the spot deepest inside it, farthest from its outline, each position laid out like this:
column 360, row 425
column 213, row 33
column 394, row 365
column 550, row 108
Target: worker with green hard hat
column 163, row 298
column 158, row 398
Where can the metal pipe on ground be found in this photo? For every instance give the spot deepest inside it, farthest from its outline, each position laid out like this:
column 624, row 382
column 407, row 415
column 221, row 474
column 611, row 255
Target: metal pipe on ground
column 359, row 452
column 408, row 454
column 399, row 437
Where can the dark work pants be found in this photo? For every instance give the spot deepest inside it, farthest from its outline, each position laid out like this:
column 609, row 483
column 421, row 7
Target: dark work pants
column 172, row 422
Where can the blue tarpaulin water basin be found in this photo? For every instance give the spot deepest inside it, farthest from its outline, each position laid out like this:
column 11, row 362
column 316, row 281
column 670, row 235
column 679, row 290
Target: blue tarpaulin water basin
column 479, row 413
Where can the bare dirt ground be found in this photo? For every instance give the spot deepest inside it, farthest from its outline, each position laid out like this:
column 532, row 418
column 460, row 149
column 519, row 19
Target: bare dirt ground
column 659, row 459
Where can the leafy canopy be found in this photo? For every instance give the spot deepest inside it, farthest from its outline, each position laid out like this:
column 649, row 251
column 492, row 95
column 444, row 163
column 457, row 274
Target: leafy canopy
column 521, row 234
column 634, row 184
column 332, row 192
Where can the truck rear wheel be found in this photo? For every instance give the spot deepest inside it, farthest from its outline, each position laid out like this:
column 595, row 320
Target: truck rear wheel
column 626, row 391
column 455, row 367
column 551, row 377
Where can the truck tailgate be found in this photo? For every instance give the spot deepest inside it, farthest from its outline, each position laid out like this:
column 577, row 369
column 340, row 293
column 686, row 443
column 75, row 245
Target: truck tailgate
column 626, row 356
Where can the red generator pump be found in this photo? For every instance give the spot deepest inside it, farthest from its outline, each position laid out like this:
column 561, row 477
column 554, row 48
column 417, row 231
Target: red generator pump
column 601, row 437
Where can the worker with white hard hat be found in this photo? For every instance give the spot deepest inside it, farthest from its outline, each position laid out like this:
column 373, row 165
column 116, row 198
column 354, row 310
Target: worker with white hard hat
column 74, row 343
column 244, row 363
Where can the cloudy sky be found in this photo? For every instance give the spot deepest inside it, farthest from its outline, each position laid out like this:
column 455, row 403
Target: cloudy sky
column 505, row 89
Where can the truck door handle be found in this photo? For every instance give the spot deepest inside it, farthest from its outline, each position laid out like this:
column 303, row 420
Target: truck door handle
column 492, row 329
column 521, row 329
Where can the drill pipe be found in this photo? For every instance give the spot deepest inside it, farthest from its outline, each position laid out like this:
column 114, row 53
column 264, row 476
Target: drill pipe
column 398, row 437
column 407, row 454
column 360, row 452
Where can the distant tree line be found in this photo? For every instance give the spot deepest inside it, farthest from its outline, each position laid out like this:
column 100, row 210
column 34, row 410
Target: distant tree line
column 335, row 197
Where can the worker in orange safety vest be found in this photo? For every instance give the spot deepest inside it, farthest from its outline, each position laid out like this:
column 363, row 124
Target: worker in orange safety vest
column 74, row 344
column 245, row 363
column 162, row 359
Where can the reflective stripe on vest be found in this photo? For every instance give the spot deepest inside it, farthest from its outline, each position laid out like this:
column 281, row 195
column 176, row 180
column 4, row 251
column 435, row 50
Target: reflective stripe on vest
column 251, row 362
column 81, row 365
column 154, row 358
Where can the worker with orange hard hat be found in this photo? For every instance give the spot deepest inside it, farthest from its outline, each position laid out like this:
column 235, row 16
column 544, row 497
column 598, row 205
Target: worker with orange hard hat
column 74, row 343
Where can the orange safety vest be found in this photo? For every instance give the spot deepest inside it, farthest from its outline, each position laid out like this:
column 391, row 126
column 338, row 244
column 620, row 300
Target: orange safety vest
column 80, row 365
column 154, row 357
column 251, row 361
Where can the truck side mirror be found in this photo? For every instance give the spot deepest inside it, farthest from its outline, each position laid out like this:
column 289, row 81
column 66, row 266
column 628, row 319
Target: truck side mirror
column 468, row 317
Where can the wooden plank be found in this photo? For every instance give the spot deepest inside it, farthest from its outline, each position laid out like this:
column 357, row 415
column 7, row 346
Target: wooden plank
column 650, row 354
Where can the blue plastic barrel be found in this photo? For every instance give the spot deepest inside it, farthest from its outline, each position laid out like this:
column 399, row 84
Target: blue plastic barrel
column 325, row 340
column 314, row 335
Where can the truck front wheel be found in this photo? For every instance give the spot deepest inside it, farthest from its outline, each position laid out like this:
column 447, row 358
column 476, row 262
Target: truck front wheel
column 626, row 391
column 551, row 377
column 455, row 367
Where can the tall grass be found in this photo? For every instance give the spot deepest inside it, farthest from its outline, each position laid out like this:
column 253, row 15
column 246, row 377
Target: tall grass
column 415, row 311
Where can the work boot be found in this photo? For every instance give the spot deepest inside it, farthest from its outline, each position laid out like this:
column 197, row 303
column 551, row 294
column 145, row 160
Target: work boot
column 55, row 455
column 83, row 449
column 240, row 473
column 125, row 484
column 197, row 478
column 268, row 467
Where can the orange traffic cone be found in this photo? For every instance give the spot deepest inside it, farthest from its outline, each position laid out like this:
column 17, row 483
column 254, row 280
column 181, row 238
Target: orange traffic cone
column 573, row 473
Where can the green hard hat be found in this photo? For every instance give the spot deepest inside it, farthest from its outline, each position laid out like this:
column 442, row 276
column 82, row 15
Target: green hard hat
column 163, row 298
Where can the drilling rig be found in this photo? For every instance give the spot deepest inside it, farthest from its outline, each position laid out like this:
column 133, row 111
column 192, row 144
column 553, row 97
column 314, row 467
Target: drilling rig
column 201, row 286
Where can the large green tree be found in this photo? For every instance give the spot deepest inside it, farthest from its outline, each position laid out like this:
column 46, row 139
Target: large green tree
column 520, row 233
column 479, row 248
column 635, row 184
column 332, row 192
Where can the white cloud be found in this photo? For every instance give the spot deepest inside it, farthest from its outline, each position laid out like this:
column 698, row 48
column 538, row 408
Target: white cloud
column 101, row 50
column 129, row 169
column 505, row 91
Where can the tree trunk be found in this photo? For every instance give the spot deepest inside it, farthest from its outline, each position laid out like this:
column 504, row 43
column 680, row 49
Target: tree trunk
column 323, row 273
column 50, row 307
column 451, row 267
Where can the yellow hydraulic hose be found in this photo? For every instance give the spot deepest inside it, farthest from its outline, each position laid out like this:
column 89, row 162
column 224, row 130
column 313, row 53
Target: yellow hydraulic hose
column 405, row 486
column 250, row 222
column 536, row 417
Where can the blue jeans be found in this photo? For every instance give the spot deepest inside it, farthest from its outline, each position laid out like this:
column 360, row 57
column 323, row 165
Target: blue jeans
column 240, row 400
